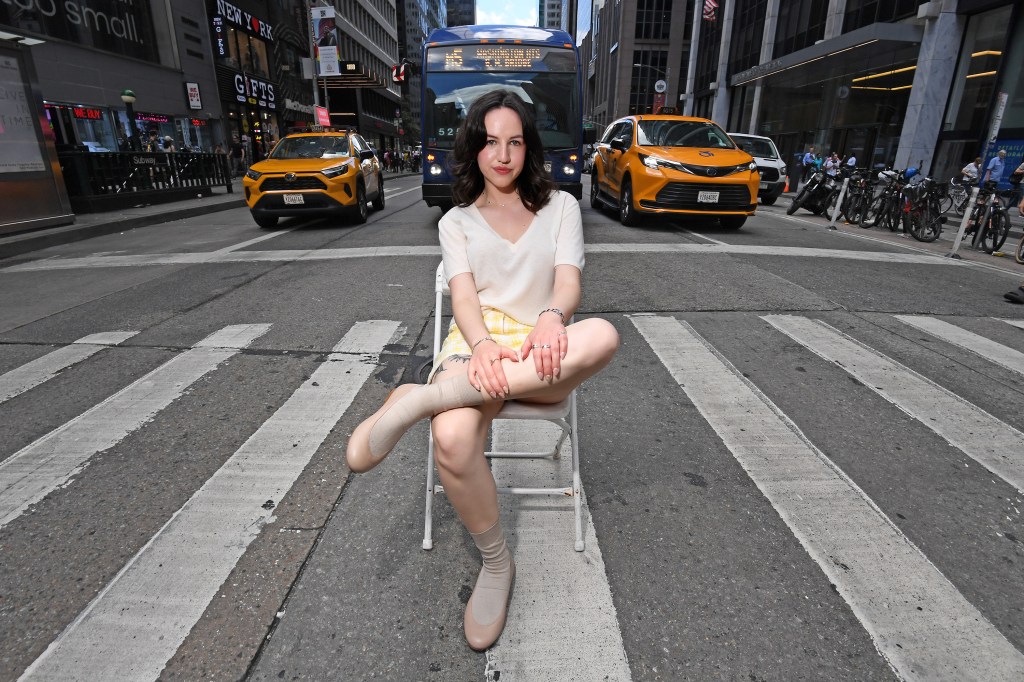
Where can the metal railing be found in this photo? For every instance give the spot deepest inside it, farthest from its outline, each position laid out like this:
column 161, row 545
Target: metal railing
column 98, row 181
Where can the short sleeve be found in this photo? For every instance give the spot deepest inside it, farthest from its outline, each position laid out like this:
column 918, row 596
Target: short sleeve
column 569, row 244
column 453, row 244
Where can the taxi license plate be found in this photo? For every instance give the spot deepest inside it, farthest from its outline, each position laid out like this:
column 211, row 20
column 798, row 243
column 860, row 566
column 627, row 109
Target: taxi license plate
column 294, row 199
column 707, row 197
column 764, row 185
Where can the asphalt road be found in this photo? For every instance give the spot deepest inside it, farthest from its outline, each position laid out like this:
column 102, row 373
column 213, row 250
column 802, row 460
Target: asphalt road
column 805, row 462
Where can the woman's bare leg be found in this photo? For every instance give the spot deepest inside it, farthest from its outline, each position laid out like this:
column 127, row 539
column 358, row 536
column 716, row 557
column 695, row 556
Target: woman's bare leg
column 592, row 343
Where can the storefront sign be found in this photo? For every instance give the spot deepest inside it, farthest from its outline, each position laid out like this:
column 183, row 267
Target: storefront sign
column 254, row 91
column 87, row 114
column 220, row 41
column 323, row 117
column 194, row 100
column 152, row 118
column 22, row 152
column 197, row 122
column 121, row 26
column 245, row 20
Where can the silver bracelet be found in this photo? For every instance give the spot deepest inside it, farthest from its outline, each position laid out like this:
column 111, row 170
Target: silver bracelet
column 557, row 311
column 486, row 338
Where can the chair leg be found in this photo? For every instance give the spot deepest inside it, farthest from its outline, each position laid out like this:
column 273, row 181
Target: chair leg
column 428, row 514
column 577, row 484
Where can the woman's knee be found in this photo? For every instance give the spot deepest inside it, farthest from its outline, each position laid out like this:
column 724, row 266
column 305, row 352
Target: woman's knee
column 454, row 447
column 602, row 337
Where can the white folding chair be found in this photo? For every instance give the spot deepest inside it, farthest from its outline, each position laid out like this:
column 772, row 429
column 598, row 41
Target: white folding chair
column 562, row 414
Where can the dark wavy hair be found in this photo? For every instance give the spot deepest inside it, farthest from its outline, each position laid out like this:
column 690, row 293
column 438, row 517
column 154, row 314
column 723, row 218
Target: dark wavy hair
column 533, row 184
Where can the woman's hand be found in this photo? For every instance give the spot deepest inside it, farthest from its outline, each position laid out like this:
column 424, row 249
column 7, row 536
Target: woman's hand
column 548, row 342
column 485, row 370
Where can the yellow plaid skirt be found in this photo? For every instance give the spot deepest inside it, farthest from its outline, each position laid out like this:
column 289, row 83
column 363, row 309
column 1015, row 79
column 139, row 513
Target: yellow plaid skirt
column 505, row 330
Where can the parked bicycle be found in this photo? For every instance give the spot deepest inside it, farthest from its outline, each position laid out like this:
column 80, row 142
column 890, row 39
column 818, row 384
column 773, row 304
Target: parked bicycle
column 858, row 195
column 957, row 197
column 989, row 222
column 886, row 207
column 922, row 212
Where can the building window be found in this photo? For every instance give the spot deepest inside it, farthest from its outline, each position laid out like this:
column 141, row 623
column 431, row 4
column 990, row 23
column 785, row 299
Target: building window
column 748, row 29
column 801, row 24
column 648, row 68
column 653, row 19
column 707, row 55
column 860, row 13
column 975, row 80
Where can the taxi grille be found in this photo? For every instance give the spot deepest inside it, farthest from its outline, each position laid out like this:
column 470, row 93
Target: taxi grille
column 279, row 184
column 683, row 196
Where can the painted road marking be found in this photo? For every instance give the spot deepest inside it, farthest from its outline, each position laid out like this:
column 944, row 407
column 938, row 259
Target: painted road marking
column 1015, row 323
column 1009, row 358
column 42, row 369
column 41, row 467
column 561, row 623
column 256, row 240
column 882, row 576
column 138, row 621
column 992, row 443
column 306, row 255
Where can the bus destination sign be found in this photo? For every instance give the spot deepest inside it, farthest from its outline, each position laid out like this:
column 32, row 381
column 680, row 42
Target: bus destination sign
column 500, row 57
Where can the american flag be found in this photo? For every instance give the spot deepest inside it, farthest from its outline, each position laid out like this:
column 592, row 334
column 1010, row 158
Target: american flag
column 709, row 10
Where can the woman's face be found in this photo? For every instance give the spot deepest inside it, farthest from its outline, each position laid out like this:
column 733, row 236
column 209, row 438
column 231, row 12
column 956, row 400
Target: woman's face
column 504, row 154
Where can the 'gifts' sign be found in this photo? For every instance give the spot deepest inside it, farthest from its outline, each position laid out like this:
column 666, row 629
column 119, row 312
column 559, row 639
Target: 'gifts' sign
column 254, row 91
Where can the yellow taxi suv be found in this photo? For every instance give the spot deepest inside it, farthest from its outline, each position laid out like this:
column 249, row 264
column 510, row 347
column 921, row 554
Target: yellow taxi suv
column 320, row 173
column 677, row 165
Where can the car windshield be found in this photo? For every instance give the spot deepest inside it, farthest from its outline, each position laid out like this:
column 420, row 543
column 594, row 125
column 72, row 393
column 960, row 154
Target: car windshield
column 671, row 133
column 757, row 146
column 311, row 147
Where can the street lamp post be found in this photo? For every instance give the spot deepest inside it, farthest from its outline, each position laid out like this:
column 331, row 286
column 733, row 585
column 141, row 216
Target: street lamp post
column 128, row 97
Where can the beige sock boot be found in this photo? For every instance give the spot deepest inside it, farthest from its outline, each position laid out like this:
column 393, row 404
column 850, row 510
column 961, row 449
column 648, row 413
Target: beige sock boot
column 487, row 608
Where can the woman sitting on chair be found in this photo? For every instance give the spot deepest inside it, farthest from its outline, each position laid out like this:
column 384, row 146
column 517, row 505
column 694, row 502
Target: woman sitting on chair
column 513, row 255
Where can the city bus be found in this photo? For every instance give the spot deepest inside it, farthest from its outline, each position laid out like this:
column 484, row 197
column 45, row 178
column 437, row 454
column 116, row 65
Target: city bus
column 540, row 65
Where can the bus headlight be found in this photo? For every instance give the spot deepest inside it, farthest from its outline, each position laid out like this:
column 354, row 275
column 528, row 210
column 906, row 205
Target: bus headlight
column 435, row 169
column 568, row 170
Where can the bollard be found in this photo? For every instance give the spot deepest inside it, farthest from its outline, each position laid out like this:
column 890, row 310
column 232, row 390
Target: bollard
column 839, row 204
column 963, row 224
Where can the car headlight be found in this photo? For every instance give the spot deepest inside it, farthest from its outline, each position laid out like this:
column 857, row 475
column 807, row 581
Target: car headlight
column 654, row 162
column 335, row 171
column 742, row 168
column 253, row 175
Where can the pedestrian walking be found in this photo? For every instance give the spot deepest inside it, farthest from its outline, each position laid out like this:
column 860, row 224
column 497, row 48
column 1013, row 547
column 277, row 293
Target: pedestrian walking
column 970, row 172
column 994, row 169
column 513, row 255
column 808, row 163
column 237, row 152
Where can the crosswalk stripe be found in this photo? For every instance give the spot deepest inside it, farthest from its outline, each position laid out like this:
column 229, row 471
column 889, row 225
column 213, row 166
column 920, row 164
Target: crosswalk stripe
column 992, row 443
column 40, row 370
column 562, row 623
column 918, row 620
column 1015, row 323
column 137, row 622
column 1009, row 358
column 36, row 470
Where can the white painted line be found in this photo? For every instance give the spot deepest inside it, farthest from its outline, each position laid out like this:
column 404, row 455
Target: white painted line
column 1015, row 323
column 992, row 443
column 1009, row 358
column 561, row 622
column 42, row 369
column 255, row 240
column 306, row 255
column 918, row 620
column 136, row 623
column 41, row 467
column 702, row 236
column 398, row 194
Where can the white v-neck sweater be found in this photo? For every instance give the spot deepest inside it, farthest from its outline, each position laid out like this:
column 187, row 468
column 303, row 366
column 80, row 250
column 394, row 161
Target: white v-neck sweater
column 516, row 279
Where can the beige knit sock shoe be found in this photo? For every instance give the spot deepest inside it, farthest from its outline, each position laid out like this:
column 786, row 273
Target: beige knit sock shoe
column 487, row 608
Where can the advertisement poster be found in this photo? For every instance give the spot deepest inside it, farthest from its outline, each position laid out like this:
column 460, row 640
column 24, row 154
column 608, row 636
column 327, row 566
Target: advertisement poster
column 325, row 41
column 22, row 153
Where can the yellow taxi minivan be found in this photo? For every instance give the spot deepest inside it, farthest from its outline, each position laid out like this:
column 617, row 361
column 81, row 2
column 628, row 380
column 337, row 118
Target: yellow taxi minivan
column 669, row 164
column 319, row 173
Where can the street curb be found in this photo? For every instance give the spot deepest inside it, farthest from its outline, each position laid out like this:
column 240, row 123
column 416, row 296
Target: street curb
column 40, row 239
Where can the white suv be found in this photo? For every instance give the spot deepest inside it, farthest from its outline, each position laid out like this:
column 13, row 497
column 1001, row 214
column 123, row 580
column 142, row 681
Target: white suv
column 769, row 164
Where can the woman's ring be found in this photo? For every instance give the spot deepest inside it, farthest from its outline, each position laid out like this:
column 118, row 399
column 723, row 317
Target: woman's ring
column 535, row 346
column 561, row 333
column 546, row 345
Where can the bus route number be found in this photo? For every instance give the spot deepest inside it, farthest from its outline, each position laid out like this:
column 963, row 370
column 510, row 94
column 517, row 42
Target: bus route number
column 447, row 132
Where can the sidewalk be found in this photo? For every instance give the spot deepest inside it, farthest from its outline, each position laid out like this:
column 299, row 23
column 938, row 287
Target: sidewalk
column 88, row 225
